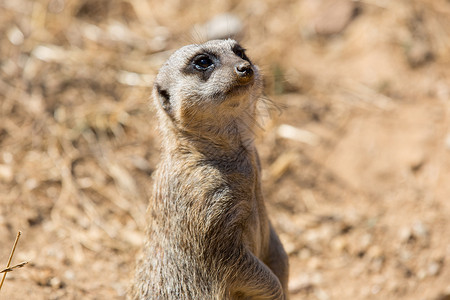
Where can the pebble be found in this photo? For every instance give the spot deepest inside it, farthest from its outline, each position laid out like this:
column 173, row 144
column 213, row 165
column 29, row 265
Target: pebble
column 418, row 53
column 56, row 283
column 434, row 268
column 69, row 274
column 365, row 241
column 314, row 263
column 299, row 283
column 221, row 27
column 376, row 289
column 404, row 234
column 15, row 36
column 321, row 294
column 6, row 173
column 447, row 142
column 304, row 253
column 339, row 244
column 419, row 229
column 374, row 252
column 7, row 157
column 334, row 16
column 304, row 281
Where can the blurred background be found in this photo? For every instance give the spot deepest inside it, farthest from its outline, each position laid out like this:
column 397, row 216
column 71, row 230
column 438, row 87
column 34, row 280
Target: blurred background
column 355, row 147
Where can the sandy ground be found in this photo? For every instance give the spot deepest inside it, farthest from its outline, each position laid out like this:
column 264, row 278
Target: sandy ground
column 355, row 147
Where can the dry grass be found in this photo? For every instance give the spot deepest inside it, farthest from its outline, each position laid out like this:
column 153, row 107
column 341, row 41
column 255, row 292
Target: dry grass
column 8, row 265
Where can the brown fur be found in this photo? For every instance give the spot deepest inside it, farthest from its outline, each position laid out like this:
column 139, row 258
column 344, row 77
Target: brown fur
column 208, row 235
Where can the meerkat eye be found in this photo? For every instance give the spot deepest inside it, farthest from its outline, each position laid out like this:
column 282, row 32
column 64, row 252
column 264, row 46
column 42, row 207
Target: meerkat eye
column 202, row 62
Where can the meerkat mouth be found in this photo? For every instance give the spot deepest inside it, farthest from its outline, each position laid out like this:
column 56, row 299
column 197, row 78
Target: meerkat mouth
column 232, row 96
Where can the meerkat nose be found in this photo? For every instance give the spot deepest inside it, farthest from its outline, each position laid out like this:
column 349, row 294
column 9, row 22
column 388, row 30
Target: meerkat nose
column 244, row 71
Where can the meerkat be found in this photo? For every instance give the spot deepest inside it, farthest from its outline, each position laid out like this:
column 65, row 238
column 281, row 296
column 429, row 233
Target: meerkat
column 209, row 236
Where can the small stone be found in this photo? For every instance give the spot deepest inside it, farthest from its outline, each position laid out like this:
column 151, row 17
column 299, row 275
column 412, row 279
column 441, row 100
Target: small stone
column 56, row 283
column 42, row 276
column 419, row 53
column 289, row 247
column 321, row 294
column 299, row 283
column 31, row 184
column 405, row 234
column 304, row 253
column 374, row 252
column 393, row 285
column 365, row 241
column 6, row 173
column 15, row 36
column 434, row 268
column 141, row 163
column 404, row 255
column 377, row 264
column 421, row 274
column 419, row 229
column 447, row 142
column 339, row 244
column 69, row 274
column 221, row 27
column 314, row 263
column 8, row 157
column 358, row 269
column 375, row 289
column 334, row 16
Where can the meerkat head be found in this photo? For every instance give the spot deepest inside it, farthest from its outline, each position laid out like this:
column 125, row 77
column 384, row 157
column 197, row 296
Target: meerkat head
column 208, row 86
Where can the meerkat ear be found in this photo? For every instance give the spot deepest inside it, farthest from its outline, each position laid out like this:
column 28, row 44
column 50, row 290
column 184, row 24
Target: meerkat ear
column 164, row 98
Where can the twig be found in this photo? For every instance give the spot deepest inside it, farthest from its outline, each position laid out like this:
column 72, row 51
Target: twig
column 10, row 269
column 10, row 258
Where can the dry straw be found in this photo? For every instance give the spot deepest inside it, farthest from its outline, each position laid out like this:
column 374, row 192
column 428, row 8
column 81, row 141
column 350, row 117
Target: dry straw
column 8, row 268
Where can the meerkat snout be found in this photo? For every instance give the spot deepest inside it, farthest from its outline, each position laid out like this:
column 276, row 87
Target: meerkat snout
column 244, row 71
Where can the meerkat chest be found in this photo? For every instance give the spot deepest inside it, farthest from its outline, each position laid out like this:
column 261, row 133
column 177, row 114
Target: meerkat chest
column 242, row 174
column 240, row 167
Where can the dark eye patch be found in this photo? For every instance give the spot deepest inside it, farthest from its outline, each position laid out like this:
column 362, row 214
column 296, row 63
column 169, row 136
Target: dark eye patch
column 239, row 51
column 164, row 98
column 202, row 62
